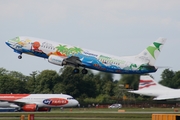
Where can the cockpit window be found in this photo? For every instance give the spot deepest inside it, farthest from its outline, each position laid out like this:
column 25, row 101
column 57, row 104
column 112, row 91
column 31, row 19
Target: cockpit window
column 16, row 39
column 70, row 98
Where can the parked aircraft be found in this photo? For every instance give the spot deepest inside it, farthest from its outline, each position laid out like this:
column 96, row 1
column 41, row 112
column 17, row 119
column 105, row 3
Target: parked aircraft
column 37, row 102
column 149, row 87
column 62, row 54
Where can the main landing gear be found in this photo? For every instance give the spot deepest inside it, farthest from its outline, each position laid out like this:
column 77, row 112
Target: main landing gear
column 76, row 70
column 20, row 56
column 84, row 71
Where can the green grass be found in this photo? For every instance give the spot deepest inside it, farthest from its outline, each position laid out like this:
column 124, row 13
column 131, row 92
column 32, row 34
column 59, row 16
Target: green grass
column 90, row 114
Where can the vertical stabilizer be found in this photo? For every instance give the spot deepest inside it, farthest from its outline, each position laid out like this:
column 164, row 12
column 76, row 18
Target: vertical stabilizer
column 148, row 83
column 151, row 53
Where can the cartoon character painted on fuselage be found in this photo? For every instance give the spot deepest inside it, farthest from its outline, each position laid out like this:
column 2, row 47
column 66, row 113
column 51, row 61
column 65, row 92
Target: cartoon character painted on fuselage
column 62, row 54
column 37, row 102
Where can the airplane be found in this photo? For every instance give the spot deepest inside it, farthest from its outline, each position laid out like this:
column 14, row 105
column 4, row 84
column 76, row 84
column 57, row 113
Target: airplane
column 149, row 87
column 37, row 102
column 63, row 54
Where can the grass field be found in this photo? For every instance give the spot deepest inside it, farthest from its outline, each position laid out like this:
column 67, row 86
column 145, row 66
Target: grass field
column 91, row 114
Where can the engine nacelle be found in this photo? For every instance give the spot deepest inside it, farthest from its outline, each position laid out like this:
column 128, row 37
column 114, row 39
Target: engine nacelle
column 33, row 108
column 14, row 106
column 29, row 107
column 56, row 60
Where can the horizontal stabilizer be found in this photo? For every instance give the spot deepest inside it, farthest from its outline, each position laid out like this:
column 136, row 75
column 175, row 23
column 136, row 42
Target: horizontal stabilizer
column 167, row 67
column 149, row 67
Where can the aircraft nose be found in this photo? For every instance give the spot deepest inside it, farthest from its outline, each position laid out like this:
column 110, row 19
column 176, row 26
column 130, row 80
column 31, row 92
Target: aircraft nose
column 7, row 43
column 75, row 103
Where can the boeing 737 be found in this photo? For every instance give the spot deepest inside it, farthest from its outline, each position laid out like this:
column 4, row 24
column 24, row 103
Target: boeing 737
column 149, row 87
column 37, row 102
column 62, row 54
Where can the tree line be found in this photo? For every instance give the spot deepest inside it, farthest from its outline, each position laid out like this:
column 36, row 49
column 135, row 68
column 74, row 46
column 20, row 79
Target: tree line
column 98, row 88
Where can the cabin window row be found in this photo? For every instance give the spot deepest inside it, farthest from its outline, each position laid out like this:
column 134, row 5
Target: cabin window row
column 52, row 48
column 111, row 62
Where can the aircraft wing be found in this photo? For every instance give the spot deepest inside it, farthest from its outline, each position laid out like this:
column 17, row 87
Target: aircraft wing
column 167, row 97
column 15, row 102
column 73, row 60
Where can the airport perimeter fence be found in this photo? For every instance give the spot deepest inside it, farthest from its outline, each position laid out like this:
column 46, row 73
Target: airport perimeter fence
column 148, row 104
column 137, row 104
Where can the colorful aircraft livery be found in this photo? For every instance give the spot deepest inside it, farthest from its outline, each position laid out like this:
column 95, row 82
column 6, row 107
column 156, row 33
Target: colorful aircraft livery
column 149, row 87
column 62, row 54
column 37, row 102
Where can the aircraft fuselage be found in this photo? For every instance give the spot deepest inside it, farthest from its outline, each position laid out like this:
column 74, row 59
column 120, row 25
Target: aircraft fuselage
column 88, row 58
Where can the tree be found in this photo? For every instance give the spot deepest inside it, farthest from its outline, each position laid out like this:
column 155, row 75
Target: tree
column 9, row 84
column 17, row 75
column 31, row 83
column 131, row 80
column 3, row 71
column 176, row 80
column 77, row 84
column 167, row 78
column 46, row 80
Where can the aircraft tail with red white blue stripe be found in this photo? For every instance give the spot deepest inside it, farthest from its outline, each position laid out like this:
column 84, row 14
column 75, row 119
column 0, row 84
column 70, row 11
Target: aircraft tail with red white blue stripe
column 148, row 83
column 149, row 87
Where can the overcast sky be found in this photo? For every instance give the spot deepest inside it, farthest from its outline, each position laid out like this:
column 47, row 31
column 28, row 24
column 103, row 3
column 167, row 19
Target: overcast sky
column 118, row 27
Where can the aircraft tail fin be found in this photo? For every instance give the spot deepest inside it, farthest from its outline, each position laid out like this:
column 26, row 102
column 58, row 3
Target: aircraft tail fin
column 151, row 53
column 148, row 83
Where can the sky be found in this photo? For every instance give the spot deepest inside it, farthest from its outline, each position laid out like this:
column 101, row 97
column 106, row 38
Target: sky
column 116, row 27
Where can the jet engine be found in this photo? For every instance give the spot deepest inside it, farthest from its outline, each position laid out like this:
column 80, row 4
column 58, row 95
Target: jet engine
column 14, row 105
column 56, row 60
column 34, row 107
column 29, row 107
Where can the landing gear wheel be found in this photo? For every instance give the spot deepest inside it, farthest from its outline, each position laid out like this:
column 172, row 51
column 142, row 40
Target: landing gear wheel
column 76, row 71
column 84, row 71
column 37, row 107
column 20, row 56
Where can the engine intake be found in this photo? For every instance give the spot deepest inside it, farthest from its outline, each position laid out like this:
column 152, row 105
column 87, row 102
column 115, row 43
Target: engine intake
column 56, row 60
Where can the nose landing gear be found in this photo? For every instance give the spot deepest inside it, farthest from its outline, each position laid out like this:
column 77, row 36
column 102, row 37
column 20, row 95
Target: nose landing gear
column 84, row 71
column 76, row 70
column 20, row 56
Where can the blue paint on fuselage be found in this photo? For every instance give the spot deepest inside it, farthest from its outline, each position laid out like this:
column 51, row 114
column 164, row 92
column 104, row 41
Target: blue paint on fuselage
column 20, row 49
column 91, row 62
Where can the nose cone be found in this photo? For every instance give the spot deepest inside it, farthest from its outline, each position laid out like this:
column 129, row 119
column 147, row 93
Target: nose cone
column 10, row 44
column 7, row 43
column 76, row 102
